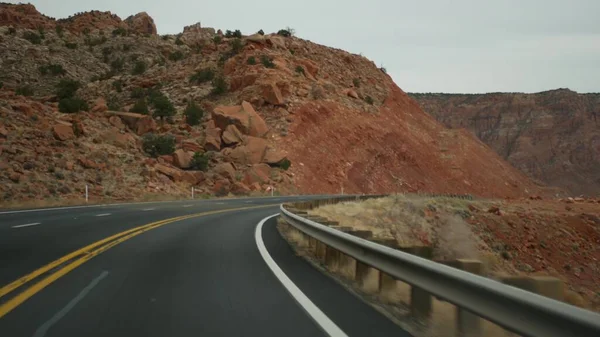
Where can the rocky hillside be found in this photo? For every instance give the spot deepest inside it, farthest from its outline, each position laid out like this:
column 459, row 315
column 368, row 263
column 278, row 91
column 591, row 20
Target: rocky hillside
column 552, row 136
column 106, row 102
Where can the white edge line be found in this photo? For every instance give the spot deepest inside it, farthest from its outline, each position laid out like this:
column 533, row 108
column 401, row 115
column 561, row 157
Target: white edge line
column 313, row 311
column 103, row 214
column 27, row 225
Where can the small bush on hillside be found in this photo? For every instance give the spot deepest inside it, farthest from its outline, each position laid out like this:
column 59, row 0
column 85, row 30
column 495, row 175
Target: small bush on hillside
column 158, row 145
column 32, row 37
column 25, row 90
column 219, row 85
column 138, row 93
column 119, row 31
column 94, row 42
column 261, row 32
column 251, row 60
column 284, row 32
column 126, row 47
column 369, row 100
column 140, row 107
column 222, row 59
column 66, row 88
column 236, row 46
column 53, row 69
column 163, row 107
column 267, row 61
column 139, row 68
column 203, row 75
column 200, row 161
column 193, row 114
column 237, row 34
column 165, row 37
column 356, row 82
column 217, row 39
column 176, row 56
column 11, row 31
column 178, row 41
column 285, row 164
column 118, row 85
column 59, row 30
column 71, row 45
column 113, row 104
column 383, row 70
column 72, row 105
column 300, row 70
column 118, row 64
column 228, row 33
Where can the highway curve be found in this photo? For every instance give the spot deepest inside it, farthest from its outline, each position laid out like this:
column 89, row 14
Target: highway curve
column 201, row 275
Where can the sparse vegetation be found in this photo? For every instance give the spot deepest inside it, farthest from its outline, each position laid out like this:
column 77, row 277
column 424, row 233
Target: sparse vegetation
column 300, row 70
column 59, row 30
column 286, row 32
column 126, row 47
column 369, row 100
column 203, row 75
column 237, row 33
column 138, row 93
column 193, row 114
column 139, row 68
column 66, row 88
column 118, row 64
column 25, row 90
column 113, row 104
column 72, row 105
column 219, row 85
column 118, row 85
column 217, row 39
column 285, row 164
column 162, row 106
column 71, row 45
column 119, row 32
column 383, row 70
column 356, row 82
column 178, row 41
column 200, row 161
column 11, row 31
column 158, row 145
column 176, row 56
column 32, row 37
column 267, row 61
column 261, row 32
column 88, row 41
column 251, row 60
column 236, row 46
column 140, row 107
column 52, row 69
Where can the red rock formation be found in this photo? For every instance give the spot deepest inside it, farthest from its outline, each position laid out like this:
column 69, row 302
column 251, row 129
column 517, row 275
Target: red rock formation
column 552, row 136
column 23, row 16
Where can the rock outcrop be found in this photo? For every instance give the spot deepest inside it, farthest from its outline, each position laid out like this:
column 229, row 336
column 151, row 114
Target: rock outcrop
column 552, row 136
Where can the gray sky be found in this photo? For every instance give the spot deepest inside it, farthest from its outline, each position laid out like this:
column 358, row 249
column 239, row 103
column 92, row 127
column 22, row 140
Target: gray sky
column 426, row 46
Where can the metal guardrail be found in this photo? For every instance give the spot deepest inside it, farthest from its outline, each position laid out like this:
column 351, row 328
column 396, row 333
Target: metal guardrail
column 517, row 310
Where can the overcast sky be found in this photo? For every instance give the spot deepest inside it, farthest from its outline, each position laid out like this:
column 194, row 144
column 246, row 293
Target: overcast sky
column 426, row 46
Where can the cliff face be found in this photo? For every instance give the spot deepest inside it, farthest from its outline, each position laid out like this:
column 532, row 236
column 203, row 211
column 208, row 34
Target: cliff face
column 552, row 136
column 83, row 106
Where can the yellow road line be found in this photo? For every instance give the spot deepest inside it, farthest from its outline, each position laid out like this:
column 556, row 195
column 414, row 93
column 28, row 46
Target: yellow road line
column 88, row 252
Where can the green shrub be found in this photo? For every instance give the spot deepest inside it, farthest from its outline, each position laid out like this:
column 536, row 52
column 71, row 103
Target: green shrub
column 32, row 37
column 219, row 85
column 356, row 82
column 94, row 42
column 178, row 41
column 251, row 60
column 140, row 107
column 163, row 107
column 285, row 164
column 261, row 32
column 11, row 31
column 113, row 104
column 217, row 39
column 158, row 145
column 139, row 68
column 236, row 46
column 118, row 64
column 72, row 105
column 119, row 31
column 71, row 45
column 267, row 61
column 53, row 69
column 369, row 100
column 176, row 56
column 59, row 30
column 237, row 34
column 284, row 32
column 200, row 161
column 383, row 70
column 203, row 75
column 300, row 70
column 228, row 33
column 126, row 47
column 165, row 37
column 106, row 51
column 25, row 90
column 138, row 93
column 66, row 88
column 193, row 114
column 118, row 85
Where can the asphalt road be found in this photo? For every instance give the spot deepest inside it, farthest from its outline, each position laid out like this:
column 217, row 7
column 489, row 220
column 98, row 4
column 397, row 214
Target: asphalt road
column 200, row 276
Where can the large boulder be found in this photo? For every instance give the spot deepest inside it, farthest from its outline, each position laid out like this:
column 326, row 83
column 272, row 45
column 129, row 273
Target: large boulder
column 251, row 152
column 139, row 123
column 171, row 172
column 212, row 139
column 63, row 131
column 232, row 135
column 272, row 94
column 244, row 117
column 191, row 145
column 182, row 159
column 257, row 174
column 196, row 35
column 225, row 170
column 193, row 177
column 100, row 105
column 141, row 23
column 273, row 156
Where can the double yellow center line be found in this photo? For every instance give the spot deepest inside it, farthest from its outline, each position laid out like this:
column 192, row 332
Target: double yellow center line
column 82, row 255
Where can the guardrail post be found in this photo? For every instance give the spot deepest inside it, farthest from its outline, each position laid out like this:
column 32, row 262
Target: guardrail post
column 387, row 282
column 467, row 324
column 548, row 286
column 421, row 301
column 320, row 251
